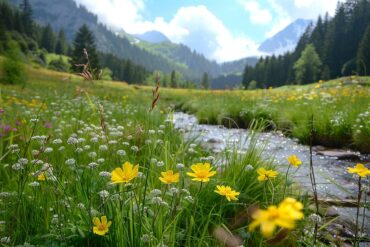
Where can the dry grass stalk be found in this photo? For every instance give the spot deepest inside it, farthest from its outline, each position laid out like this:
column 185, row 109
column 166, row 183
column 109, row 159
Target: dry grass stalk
column 227, row 238
column 155, row 92
column 87, row 73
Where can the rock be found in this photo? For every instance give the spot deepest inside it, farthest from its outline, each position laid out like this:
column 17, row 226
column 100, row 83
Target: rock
column 340, row 154
column 214, row 140
column 332, row 211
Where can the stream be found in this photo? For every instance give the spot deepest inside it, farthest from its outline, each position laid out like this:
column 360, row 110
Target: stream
column 333, row 180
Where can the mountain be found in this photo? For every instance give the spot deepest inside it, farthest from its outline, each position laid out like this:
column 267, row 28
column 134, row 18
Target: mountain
column 286, row 39
column 152, row 37
column 146, row 51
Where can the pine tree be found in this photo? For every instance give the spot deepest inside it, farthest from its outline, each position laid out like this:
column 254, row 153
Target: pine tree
column 307, row 68
column 84, row 40
column 173, row 79
column 27, row 17
column 363, row 54
column 61, row 46
column 205, row 82
column 48, row 39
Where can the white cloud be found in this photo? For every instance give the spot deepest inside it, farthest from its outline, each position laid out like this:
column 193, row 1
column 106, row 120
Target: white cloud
column 257, row 14
column 194, row 26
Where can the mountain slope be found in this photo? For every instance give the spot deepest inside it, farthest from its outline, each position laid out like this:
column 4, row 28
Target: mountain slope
column 286, row 39
column 154, row 55
column 67, row 15
column 152, row 37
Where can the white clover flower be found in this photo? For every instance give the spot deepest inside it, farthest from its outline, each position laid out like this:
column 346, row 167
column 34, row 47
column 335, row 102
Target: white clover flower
column 162, row 126
column 94, row 139
column 159, row 142
column 79, row 150
column 185, row 191
column 157, row 200
column 87, row 147
column 315, row 218
column 13, row 147
column 101, row 160
column 5, row 240
column 34, row 184
column 5, row 194
column 23, row 161
column 103, row 194
column 70, row 162
column 145, row 238
column 160, row 163
column 112, row 142
column 92, row 155
column 35, row 152
column 115, row 197
column 189, row 199
column 153, row 161
column 105, row 174
column 192, row 145
column 249, row 167
column 129, row 137
column 160, row 132
column 93, row 165
column 121, row 152
column 180, row 166
column 55, row 219
column 125, row 144
column 191, row 150
column 148, row 141
column 134, row 148
column 103, row 147
column 81, row 206
column 72, row 140
column 151, row 132
column 155, row 192
column 48, row 150
column 62, row 148
column 34, row 120
column 17, row 167
column 57, row 141
column 174, row 190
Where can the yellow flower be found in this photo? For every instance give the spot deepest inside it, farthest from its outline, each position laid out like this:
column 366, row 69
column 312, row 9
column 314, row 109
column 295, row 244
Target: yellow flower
column 284, row 216
column 227, row 192
column 266, row 174
column 169, row 177
column 201, row 172
column 294, row 161
column 41, row 176
column 125, row 174
column 101, row 227
column 360, row 170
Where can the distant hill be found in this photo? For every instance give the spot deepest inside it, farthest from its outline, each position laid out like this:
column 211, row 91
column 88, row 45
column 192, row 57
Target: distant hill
column 151, row 50
column 152, row 37
column 285, row 40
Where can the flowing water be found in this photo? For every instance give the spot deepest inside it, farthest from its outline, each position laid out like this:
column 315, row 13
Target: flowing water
column 333, row 180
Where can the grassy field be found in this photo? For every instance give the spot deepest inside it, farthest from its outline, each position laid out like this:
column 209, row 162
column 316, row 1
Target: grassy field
column 64, row 142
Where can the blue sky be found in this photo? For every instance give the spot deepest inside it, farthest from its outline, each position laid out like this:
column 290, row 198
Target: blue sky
column 222, row 30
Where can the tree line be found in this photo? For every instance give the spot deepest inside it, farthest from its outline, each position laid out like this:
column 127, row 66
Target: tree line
column 18, row 30
column 333, row 47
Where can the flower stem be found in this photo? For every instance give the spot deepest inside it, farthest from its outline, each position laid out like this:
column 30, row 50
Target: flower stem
column 286, row 180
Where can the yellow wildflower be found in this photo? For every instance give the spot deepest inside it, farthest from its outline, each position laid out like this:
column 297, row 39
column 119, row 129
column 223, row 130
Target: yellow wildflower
column 266, row 174
column 125, row 174
column 284, row 216
column 360, row 170
column 201, row 172
column 41, row 176
column 169, row 177
column 101, row 227
column 227, row 192
column 294, row 161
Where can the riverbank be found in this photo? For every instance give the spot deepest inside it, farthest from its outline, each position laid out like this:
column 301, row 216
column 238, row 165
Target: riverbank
column 340, row 110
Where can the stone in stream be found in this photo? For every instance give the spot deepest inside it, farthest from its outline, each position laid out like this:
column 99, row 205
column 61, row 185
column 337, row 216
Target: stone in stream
column 340, row 154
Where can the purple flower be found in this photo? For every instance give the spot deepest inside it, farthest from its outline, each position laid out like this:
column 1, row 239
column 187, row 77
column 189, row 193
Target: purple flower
column 48, row 125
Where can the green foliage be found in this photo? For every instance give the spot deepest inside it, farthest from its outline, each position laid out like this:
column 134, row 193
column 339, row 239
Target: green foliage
column 59, row 65
column 307, row 68
column 84, row 40
column 363, row 54
column 252, row 85
column 174, row 82
column 205, row 82
column 13, row 67
column 106, row 74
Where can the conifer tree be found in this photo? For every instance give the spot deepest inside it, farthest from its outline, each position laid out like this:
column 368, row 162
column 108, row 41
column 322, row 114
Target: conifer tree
column 84, row 40
column 363, row 54
column 48, row 39
column 205, row 82
column 61, row 46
